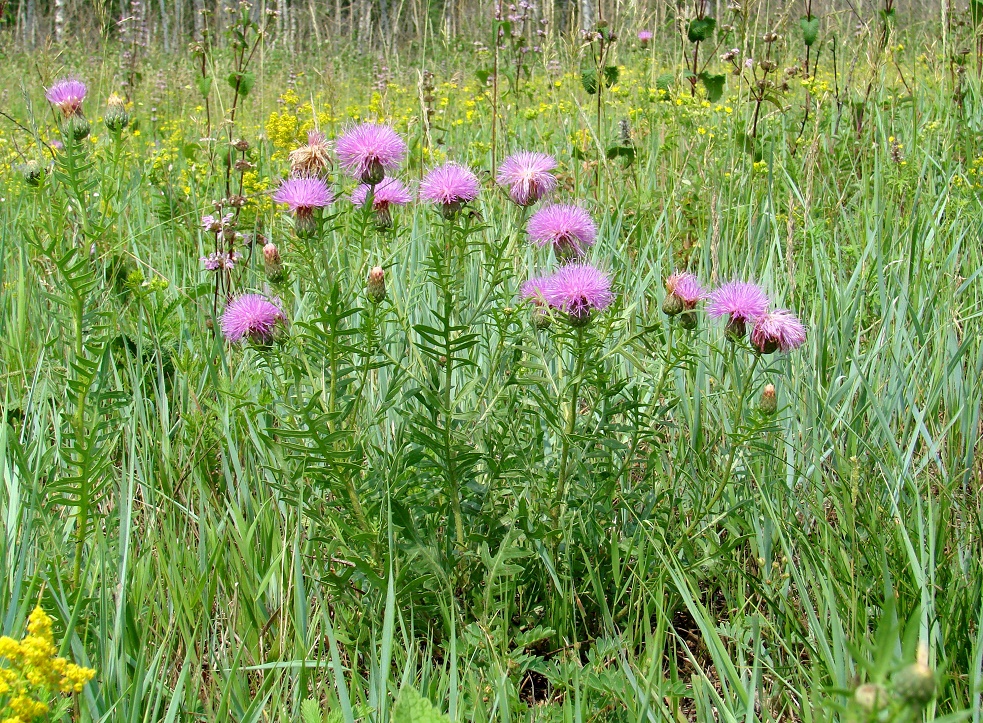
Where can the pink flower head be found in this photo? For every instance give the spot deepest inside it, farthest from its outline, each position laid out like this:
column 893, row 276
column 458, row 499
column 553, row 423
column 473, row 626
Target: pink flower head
column 67, row 95
column 741, row 302
column 578, row 290
column 303, row 195
column 645, row 36
column 777, row 330
column 535, row 289
column 391, row 192
column 528, row 176
column 685, row 287
column 251, row 316
column 368, row 150
column 569, row 229
column 450, row 186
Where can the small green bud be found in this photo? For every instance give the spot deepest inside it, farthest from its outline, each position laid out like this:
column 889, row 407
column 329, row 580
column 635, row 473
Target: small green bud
column 375, row 286
column 871, row 697
column 77, row 127
column 688, row 320
column 33, row 173
column 374, row 174
column 117, row 117
column 272, row 263
column 769, row 401
column 915, row 684
column 672, row 305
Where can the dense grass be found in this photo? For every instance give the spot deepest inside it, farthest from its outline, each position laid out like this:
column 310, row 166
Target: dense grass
column 227, row 531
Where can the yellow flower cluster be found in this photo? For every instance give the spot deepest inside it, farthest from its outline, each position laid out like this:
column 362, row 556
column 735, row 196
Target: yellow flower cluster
column 33, row 671
column 283, row 129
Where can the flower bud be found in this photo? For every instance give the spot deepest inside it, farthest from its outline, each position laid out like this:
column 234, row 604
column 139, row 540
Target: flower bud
column 769, row 401
column 688, row 320
column 672, row 305
column 541, row 318
column 76, row 127
column 374, row 174
column 116, row 118
column 735, row 329
column 272, row 263
column 871, row 697
column 915, row 684
column 305, row 225
column 241, row 145
column 33, row 173
column 375, row 286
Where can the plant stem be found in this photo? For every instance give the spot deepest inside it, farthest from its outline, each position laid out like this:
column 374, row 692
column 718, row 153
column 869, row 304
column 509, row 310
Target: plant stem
column 448, row 401
column 571, row 424
column 731, row 458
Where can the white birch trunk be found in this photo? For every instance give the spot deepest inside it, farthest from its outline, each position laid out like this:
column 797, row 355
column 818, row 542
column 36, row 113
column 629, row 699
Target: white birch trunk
column 59, row 21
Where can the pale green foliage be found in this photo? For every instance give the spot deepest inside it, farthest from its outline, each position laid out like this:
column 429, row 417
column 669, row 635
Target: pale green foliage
column 411, row 707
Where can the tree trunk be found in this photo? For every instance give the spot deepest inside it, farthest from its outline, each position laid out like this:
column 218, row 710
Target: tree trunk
column 59, row 21
column 586, row 14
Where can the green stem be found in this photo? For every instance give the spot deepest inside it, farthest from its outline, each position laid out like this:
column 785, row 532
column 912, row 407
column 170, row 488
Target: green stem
column 332, row 397
column 72, row 172
column 82, row 515
column 571, row 424
column 453, row 482
column 731, row 458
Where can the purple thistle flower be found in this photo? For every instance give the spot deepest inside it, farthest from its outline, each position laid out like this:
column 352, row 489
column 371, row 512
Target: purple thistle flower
column 645, row 36
column 534, row 289
column 777, row 330
column 450, row 186
column 683, row 293
column 67, row 95
column 391, row 192
column 253, row 316
column 368, row 150
column 528, row 176
column 741, row 302
column 685, row 287
column 578, row 290
column 303, row 195
column 569, row 229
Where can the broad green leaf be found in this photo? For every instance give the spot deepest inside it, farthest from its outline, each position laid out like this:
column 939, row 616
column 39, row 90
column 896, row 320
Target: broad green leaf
column 621, row 152
column 611, row 75
column 810, row 29
column 714, row 85
column 204, row 83
column 588, row 79
column 243, row 82
column 700, row 29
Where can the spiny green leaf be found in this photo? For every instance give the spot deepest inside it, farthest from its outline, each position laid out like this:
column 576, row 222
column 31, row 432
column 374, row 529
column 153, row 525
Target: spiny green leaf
column 411, row 707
